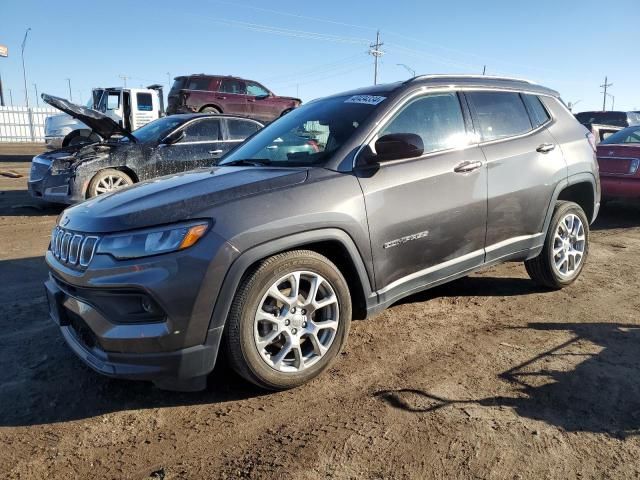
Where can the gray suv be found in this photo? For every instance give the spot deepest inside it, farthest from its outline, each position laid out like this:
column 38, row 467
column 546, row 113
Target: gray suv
column 267, row 257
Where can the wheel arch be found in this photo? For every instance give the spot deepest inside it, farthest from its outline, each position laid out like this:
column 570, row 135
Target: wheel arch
column 335, row 244
column 581, row 189
column 212, row 105
column 123, row 168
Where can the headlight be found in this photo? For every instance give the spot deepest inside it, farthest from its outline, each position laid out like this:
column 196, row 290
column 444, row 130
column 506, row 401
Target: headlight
column 153, row 241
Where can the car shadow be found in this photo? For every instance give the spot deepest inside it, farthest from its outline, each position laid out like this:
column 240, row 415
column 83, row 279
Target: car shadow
column 618, row 214
column 18, row 203
column 601, row 394
column 42, row 381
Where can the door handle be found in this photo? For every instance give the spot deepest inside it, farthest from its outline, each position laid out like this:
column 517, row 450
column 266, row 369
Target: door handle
column 272, row 147
column 545, row 148
column 467, row 166
column 221, row 97
column 251, row 100
column 215, row 152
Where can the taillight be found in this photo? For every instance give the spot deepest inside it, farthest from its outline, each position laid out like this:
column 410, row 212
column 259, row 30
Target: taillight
column 592, row 141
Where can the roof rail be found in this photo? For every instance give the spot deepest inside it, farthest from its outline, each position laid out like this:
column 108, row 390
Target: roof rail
column 489, row 77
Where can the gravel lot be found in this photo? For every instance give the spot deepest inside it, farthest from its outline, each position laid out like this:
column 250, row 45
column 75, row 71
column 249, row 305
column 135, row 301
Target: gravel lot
column 487, row 377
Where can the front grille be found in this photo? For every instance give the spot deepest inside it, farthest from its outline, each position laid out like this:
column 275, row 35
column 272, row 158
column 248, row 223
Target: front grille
column 73, row 248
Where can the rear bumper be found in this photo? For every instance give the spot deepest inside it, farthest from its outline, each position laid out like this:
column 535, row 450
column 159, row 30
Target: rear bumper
column 620, row 187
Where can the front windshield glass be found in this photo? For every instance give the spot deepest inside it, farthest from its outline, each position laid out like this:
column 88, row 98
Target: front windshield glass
column 158, row 129
column 308, row 135
column 626, row 135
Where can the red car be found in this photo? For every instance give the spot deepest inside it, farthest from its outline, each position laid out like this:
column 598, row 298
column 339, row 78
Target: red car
column 229, row 95
column 619, row 160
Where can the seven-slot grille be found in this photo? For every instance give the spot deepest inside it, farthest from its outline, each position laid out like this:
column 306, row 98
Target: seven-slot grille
column 73, row 248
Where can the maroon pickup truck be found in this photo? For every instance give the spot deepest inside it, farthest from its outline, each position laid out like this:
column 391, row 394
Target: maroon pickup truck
column 229, row 95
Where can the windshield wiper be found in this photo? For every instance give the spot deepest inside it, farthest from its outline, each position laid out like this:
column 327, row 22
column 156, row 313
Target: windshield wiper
column 255, row 162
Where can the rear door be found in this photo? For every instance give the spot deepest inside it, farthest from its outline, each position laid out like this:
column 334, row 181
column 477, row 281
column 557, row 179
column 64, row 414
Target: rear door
column 524, row 164
column 202, row 146
column 232, row 97
column 142, row 109
column 237, row 130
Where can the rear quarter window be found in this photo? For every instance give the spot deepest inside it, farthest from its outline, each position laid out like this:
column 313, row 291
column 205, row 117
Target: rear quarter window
column 537, row 112
column 499, row 114
column 198, row 83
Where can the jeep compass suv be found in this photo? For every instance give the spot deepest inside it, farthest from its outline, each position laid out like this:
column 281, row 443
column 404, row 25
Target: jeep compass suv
column 267, row 257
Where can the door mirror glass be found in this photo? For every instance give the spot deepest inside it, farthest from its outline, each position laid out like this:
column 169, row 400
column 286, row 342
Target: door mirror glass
column 174, row 137
column 396, row 146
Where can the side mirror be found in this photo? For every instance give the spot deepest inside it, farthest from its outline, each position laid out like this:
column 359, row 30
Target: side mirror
column 262, row 97
column 396, row 146
column 174, row 137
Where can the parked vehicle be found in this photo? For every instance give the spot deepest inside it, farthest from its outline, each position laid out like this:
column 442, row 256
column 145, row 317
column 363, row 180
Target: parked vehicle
column 165, row 146
column 609, row 117
column 131, row 107
column 602, row 132
column 619, row 160
column 232, row 95
column 269, row 255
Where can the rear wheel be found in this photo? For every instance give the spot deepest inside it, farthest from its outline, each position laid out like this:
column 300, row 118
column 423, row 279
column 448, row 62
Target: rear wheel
column 108, row 180
column 565, row 249
column 289, row 320
column 213, row 110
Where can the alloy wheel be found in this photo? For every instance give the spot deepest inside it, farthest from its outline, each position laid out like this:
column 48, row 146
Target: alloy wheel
column 569, row 243
column 109, row 183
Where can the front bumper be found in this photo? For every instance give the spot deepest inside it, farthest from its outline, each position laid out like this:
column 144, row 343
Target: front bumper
column 177, row 348
column 55, row 189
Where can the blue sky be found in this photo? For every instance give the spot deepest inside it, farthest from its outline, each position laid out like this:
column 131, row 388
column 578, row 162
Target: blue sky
column 313, row 49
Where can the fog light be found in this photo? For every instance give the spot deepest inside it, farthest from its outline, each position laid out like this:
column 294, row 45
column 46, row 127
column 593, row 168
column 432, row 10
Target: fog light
column 149, row 306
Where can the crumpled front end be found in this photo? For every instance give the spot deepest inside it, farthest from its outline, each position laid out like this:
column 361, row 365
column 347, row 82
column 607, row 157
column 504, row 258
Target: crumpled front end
column 52, row 178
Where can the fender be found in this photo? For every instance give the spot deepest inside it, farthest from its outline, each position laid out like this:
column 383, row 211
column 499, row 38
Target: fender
column 584, row 177
column 299, row 240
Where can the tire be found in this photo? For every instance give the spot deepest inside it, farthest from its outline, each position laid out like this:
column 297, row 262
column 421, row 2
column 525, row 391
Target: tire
column 544, row 269
column 102, row 179
column 212, row 110
column 244, row 329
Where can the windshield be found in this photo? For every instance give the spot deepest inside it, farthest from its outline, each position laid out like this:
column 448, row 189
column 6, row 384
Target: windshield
column 158, row 129
column 627, row 135
column 308, row 135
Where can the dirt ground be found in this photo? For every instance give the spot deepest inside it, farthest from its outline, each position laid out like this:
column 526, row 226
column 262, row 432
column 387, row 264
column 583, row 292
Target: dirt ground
column 487, row 377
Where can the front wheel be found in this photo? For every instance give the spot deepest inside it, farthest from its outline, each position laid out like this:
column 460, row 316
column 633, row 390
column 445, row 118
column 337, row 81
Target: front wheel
column 565, row 249
column 108, row 180
column 289, row 320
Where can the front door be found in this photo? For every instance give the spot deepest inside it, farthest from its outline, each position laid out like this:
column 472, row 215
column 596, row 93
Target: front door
column 202, row 146
column 262, row 105
column 427, row 215
column 232, row 97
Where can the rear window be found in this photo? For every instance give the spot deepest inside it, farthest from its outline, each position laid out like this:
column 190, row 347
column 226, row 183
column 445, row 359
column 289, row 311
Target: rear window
column 197, row 83
column 537, row 112
column 617, row 119
column 241, row 129
column 177, row 85
column 499, row 114
column 144, row 101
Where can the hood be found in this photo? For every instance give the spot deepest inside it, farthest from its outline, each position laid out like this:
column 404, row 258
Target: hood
column 71, row 156
column 96, row 121
column 291, row 98
column 175, row 198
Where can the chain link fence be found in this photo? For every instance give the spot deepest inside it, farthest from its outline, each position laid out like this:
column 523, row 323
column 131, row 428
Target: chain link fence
column 22, row 124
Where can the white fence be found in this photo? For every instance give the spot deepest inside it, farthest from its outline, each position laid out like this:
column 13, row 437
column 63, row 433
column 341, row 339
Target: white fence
column 19, row 124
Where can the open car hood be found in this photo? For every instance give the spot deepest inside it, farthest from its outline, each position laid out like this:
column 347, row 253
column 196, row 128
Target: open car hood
column 96, row 121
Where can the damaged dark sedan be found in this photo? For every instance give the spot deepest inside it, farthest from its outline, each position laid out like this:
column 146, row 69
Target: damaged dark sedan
column 165, row 146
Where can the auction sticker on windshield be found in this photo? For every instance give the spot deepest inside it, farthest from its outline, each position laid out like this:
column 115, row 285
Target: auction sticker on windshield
column 366, row 99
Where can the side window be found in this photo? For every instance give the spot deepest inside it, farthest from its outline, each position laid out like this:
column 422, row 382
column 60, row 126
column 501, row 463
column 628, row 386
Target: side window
column 198, row 83
column 437, row 118
column 241, row 129
column 203, row 131
column 144, row 101
column 233, row 86
column 499, row 114
column 113, row 100
column 537, row 112
column 256, row 90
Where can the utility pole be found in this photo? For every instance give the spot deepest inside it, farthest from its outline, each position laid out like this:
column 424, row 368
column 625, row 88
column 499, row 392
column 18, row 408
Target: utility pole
column 169, row 79
column 1, row 93
column 604, row 97
column 35, row 87
column 24, row 72
column 124, row 79
column 69, row 85
column 11, row 97
column 484, row 70
column 374, row 49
